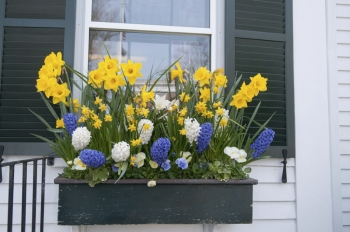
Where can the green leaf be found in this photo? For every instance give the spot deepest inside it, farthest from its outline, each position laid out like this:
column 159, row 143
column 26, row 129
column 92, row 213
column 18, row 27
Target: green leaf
column 124, row 167
column 247, row 170
column 56, row 130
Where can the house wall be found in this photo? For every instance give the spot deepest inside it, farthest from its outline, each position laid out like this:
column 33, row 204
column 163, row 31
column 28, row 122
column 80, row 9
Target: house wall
column 275, row 207
column 343, row 79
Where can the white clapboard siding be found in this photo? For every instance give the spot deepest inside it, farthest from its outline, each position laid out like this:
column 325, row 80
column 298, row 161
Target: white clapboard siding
column 273, row 202
column 47, row 228
column 343, row 78
column 260, row 226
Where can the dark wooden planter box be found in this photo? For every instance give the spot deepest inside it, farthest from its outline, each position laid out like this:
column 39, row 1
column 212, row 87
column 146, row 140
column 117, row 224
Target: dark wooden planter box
column 178, row 201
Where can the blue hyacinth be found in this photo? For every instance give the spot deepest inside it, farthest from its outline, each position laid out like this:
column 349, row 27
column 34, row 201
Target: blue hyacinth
column 92, row 158
column 263, row 142
column 166, row 165
column 204, row 137
column 70, row 122
column 160, row 149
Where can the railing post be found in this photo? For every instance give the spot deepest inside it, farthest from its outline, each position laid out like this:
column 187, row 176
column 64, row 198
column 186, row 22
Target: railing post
column 1, row 159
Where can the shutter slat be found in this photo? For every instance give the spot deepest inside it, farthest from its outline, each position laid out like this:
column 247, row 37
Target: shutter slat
column 26, row 118
column 21, row 110
column 35, row 9
column 23, row 103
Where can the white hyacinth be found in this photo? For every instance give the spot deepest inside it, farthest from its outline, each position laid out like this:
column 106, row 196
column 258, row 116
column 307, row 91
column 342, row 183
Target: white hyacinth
column 145, row 129
column 192, row 129
column 81, row 138
column 120, row 151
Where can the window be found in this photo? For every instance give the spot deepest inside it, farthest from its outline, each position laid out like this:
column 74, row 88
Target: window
column 154, row 32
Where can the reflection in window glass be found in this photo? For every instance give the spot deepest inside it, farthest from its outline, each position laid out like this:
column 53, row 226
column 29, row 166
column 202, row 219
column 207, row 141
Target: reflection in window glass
column 185, row 13
column 153, row 50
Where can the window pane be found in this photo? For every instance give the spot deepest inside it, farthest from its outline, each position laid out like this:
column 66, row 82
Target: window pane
column 184, row 13
column 155, row 51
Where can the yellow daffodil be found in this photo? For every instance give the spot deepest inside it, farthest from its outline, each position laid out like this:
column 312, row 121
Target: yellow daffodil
column 75, row 104
column 184, row 97
column 113, row 81
column 259, row 82
column 85, row 111
column 97, row 101
column 145, row 112
column 59, row 93
column 201, row 107
column 59, row 123
column 173, row 138
column 132, row 158
column 183, row 112
column 183, row 131
column 48, row 71
column 96, row 78
column 217, row 104
column 146, row 126
column 223, row 122
column 94, row 116
column 132, row 127
column 129, row 110
column 146, row 96
column 239, row 101
column 132, row 71
column 55, row 60
column 180, row 121
column 216, row 89
column 177, row 73
column 102, row 107
column 220, row 111
column 135, row 142
column 208, row 114
column 45, row 84
column 202, row 75
column 108, row 118
column 249, row 91
column 204, row 94
column 220, row 80
column 218, row 71
column 109, row 65
column 97, row 124
column 82, row 119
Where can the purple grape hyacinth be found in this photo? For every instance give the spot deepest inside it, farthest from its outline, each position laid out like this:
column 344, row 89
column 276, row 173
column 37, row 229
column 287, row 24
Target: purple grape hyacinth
column 70, row 122
column 92, row 158
column 263, row 142
column 204, row 137
column 160, row 149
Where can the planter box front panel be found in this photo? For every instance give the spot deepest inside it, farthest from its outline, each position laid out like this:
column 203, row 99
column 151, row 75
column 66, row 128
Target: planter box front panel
column 79, row 204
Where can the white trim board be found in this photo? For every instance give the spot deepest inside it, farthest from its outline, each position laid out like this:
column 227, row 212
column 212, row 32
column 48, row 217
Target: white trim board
column 312, row 120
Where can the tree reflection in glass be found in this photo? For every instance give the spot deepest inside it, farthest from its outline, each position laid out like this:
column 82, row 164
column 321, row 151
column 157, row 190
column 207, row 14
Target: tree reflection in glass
column 153, row 50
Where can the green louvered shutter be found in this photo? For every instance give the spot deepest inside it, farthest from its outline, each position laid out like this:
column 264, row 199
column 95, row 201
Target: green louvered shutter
column 29, row 31
column 258, row 39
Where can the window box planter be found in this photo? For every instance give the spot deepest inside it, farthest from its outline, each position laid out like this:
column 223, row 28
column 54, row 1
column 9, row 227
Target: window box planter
column 178, row 201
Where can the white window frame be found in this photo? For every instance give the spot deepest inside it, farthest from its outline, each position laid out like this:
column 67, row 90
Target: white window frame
column 84, row 24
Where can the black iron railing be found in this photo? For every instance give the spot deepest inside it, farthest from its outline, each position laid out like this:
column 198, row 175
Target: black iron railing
column 12, row 166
